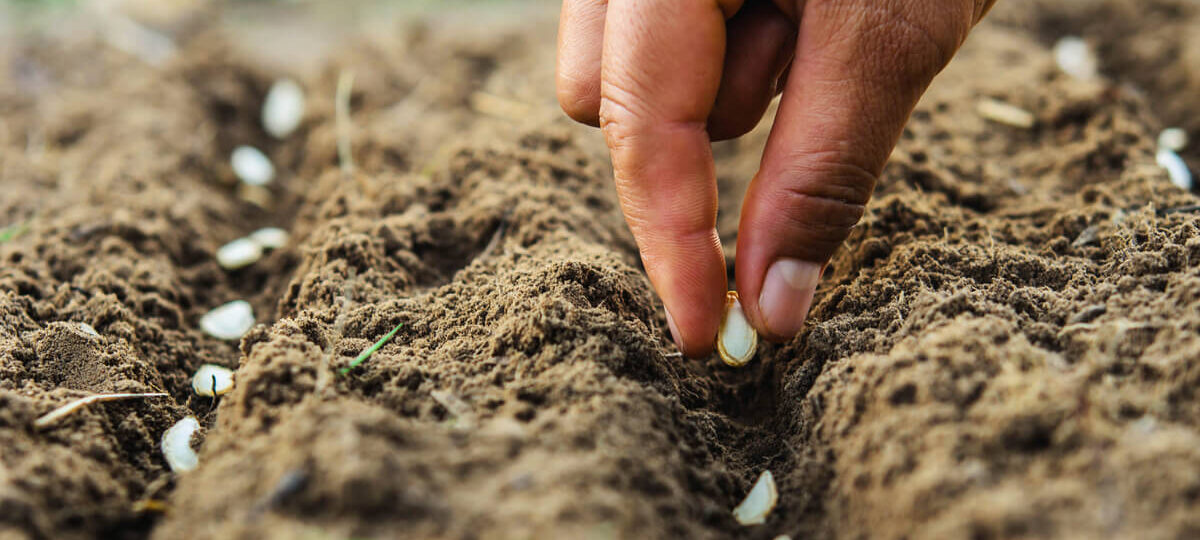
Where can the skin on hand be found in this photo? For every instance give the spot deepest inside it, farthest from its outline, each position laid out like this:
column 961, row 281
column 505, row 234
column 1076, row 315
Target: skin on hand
column 663, row 78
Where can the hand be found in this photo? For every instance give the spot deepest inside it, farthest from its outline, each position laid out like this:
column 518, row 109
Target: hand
column 664, row 77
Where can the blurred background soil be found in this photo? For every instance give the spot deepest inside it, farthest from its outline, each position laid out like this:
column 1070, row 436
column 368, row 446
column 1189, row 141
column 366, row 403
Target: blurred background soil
column 1008, row 346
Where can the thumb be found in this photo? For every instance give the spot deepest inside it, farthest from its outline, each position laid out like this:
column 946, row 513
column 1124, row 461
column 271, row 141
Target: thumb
column 860, row 67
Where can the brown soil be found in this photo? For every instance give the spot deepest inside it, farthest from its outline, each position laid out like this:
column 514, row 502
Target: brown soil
column 1009, row 345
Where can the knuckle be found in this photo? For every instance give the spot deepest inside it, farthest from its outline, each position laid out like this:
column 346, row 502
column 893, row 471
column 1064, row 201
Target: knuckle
column 928, row 40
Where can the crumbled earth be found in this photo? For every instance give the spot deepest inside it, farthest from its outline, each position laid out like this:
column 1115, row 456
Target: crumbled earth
column 1006, row 347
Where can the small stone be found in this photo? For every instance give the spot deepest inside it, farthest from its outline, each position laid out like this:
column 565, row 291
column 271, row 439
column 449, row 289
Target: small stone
column 239, row 253
column 1004, row 113
column 230, row 321
column 252, row 166
column 1176, row 168
column 1172, row 139
column 1075, row 57
column 283, row 109
column 270, row 237
column 212, row 380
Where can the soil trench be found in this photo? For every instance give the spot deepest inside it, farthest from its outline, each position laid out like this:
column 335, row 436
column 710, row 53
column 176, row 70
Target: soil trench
column 1005, row 347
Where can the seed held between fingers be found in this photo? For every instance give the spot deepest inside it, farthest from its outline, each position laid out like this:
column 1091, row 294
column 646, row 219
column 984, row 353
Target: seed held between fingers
column 737, row 341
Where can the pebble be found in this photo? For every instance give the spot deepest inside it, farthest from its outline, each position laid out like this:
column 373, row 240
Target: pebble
column 1075, row 57
column 1176, row 168
column 252, row 166
column 177, row 445
column 270, row 237
column 283, row 109
column 239, row 253
column 230, row 321
column 1173, row 139
column 212, row 380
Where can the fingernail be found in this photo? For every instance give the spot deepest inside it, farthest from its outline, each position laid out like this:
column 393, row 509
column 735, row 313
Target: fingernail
column 787, row 295
column 674, row 330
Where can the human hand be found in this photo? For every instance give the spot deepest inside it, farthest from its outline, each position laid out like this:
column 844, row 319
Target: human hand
column 664, row 77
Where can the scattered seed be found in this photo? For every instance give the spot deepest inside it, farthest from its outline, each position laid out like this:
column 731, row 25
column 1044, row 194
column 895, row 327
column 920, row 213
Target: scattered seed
column 1173, row 139
column 1088, row 237
column 87, row 329
column 1075, row 57
column 736, row 339
column 270, row 237
column 177, row 445
column 1176, row 168
column 283, row 108
column 156, row 506
column 1088, row 314
column 239, row 253
column 371, row 350
column 1004, row 113
column 252, row 166
column 212, row 380
column 57, row 414
column 230, row 321
column 759, row 502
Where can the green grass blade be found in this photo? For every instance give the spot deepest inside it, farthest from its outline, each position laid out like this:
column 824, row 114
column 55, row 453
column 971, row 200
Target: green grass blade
column 367, row 353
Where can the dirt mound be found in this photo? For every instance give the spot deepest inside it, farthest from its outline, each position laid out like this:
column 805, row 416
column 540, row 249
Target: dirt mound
column 1005, row 347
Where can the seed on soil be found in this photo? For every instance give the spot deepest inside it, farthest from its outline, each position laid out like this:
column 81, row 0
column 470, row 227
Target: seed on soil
column 230, row 321
column 252, row 166
column 736, row 339
column 283, row 109
column 1176, row 168
column 1004, row 113
column 239, row 253
column 270, row 237
column 759, row 502
column 87, row 329
column 212, row 380
column 1173, row 139
column 1075, row 57
column 57, row 414
column 177, row 445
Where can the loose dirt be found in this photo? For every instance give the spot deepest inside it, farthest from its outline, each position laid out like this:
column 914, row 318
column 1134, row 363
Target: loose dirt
column 1008, row 346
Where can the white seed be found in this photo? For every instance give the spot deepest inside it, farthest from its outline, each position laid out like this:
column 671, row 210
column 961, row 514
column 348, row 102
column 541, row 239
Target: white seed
column 999, row 111
column 283, row 109
column 87, row 329
column 759, row 502
column 252, row 166
column 1075, row 57
column 736, row 340
column 230, row 321
column 177, row 445
column 212, row 380
column 1176, row 168
column 239, row 253
column 270, row 237
column 1173, row 139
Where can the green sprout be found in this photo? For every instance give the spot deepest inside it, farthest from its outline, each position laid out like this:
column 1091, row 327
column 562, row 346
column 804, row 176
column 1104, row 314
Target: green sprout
column 367, row 353
column 13, row 231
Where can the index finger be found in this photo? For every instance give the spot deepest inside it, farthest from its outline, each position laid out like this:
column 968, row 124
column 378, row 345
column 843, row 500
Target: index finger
column 660, row 72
